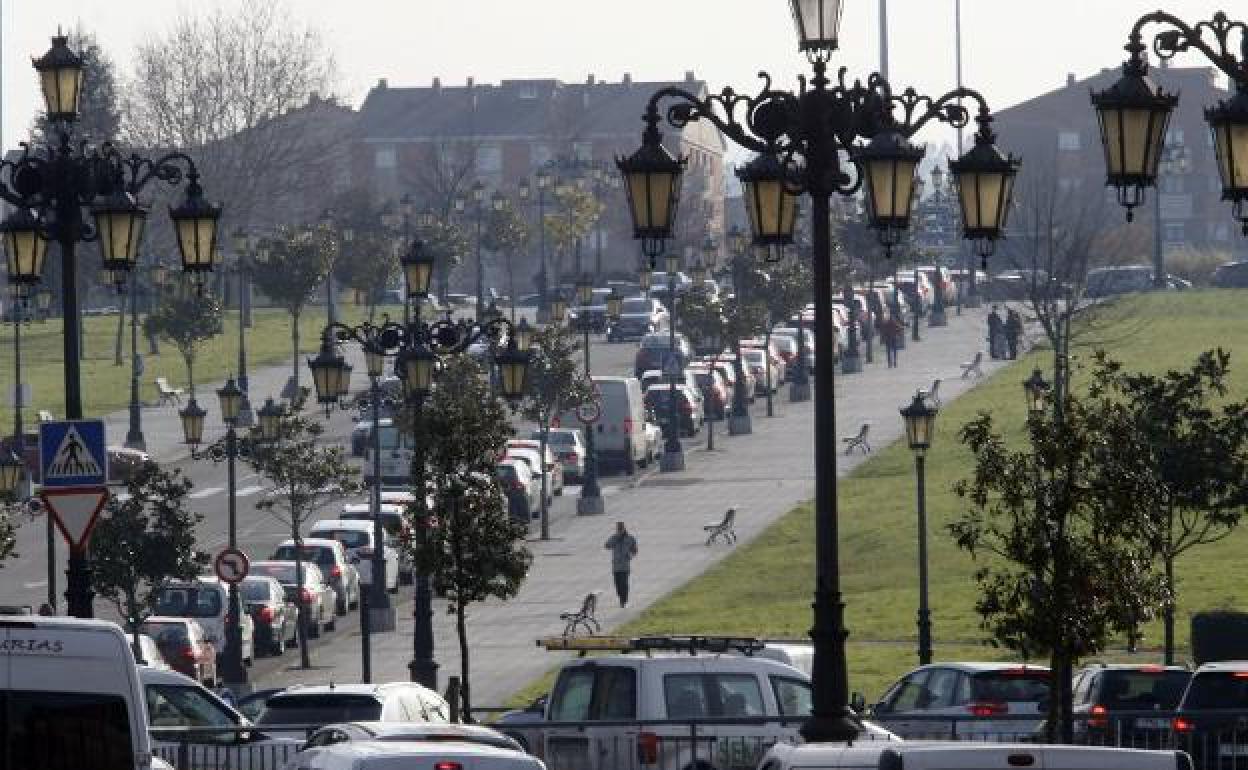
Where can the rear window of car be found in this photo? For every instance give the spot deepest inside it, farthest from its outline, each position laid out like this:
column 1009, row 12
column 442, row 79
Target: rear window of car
column 189, row 602
column 561, row 438
column 1137, row 689
column 285, row 573
column 655, row 341
column 350, row 538
column 319, row 709
column 712, row 695
column 66, row 729
column 1010, row 686
column 316, row 553
column 594, row 692
column 256, row 590
column 636, row 306
column 167, row 634
column 1217, row 690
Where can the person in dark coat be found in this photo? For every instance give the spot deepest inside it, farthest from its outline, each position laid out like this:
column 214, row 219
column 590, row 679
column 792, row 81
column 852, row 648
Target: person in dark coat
column 1013, row 332
column 891, row 333
column 623, row 547
column 995, row 332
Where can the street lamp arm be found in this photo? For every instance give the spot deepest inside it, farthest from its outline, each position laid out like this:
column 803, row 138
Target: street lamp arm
column 943, row 108
column 722, row 110
column 166, row 168
column 1170, row 42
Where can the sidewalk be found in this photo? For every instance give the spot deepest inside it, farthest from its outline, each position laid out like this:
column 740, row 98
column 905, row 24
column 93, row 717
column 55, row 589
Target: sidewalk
column 764, row 475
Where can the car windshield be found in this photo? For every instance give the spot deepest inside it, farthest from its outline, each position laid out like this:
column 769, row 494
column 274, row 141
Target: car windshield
column 316, row 553
column 1010, row 686
column 350, row 538
column 655, row 341
column 1142, row 689
column 188, row 602
column 319, row 709
column 1217, row 690
column 256, row 590
column 561, row 438
column 635, row 306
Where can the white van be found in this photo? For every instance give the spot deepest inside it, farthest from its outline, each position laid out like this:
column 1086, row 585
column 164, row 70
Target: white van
column 966, row 755
column 619, row 433
column 657, row 679
column 71, row 696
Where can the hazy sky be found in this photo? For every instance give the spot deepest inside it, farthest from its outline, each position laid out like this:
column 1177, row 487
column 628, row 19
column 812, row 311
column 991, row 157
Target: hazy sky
column 1012, row 50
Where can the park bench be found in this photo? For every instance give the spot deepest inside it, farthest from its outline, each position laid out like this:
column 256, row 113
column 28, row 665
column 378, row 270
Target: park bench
column 859, row 441
column 168, row 395
column 46, row 416
column 973, row 366
column 583, row 617
column 724, row 528
column 932, row 396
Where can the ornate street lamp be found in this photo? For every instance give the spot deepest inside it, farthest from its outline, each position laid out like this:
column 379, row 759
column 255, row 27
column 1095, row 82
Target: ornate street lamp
column 192, row 417
column 697, row 274
column 415, row 369
column 270, row 421
column 920, row 420
column 615, row 304
column 11, row 469
column 417, row 264
column 1037, row 390
column 985, row 180
column 60, row 78
column 523, row 335
column 817, row 134
column 1229, row 122
column 818, row 22
column 770, row 205
column 329, row 369
column 24, row 249
column 558, row 310
column 644, row 278
column 119, row 222
column 652, row 178
column 512, row 364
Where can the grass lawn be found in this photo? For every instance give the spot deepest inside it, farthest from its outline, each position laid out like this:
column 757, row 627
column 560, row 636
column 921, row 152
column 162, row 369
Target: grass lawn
column 771, row 579
column 106, row 387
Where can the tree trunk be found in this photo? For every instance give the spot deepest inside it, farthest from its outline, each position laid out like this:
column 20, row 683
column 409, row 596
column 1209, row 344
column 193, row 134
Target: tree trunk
column 294, row 343
column 1167, row 612
column 305, row 657
column 461, row 628
column 189, row 358
column 119, row 347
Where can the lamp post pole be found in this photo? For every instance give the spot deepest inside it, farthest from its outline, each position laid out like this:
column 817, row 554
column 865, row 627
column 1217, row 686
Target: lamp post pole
column 925, row 616
column 235, row 669
column 590, row 503
column 739, row 423
column 134, row 435
column 243, row 247
column 822, row 124
column 673, row 458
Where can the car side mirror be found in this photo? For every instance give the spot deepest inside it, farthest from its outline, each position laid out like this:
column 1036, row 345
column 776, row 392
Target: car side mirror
column 857, row 702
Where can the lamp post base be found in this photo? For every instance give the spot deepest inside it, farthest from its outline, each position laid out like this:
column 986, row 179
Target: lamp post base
column 381, row 619
column 136, row 441
column 740, row 425
column 799, row 391
column 424, row 672
column 841, row 728
column 671, row 461
column 851, row 363
column 937, row 318
column 590, row 506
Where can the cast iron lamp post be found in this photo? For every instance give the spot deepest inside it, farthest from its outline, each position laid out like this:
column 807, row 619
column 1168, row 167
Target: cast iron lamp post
column 739, row 422
column 673, row 457
column 590, row 503
column 248, row 249
column 233, row 670
column 1133, row 113
column 541, row 181
column 920, row 420
column 477, row 200
column 807, row 132
column 11, row 472
column 134, row 432
column 49, row 188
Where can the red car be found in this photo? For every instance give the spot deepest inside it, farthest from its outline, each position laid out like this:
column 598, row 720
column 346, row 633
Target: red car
column 184, row 646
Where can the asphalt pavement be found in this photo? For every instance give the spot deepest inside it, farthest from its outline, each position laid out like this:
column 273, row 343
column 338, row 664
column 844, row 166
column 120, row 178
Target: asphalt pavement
column 763, row 475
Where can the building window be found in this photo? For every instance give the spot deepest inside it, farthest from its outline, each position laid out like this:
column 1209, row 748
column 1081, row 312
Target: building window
column 1171, row 183
column 385, row 158
column 1174, row 232
column 1174, row 136
column 528, row 91
column 540, row 155
column 1068, row 140
column 583, row 151
column 489, row 159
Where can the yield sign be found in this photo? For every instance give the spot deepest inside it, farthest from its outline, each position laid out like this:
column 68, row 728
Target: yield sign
column 75, row 509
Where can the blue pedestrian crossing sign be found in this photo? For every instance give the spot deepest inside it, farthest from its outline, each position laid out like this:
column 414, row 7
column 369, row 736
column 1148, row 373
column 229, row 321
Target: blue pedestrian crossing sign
column 72, row 453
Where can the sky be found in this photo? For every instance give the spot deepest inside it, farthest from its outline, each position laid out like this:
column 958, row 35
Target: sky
column 1011, row 50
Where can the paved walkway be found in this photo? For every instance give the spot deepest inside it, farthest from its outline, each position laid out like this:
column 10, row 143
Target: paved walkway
column 764, row 475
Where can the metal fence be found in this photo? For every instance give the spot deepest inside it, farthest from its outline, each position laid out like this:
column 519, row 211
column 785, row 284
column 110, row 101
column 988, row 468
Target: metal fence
column 1215, row 740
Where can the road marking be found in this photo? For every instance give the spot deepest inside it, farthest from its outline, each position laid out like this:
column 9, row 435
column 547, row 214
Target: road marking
column 36, row 584
column 205, row 492
column 248, row 491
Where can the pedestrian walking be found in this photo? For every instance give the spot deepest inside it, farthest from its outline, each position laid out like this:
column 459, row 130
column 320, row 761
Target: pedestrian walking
column 1013, row 332
column 891, row 333
column 623, row 547
column 995, row 333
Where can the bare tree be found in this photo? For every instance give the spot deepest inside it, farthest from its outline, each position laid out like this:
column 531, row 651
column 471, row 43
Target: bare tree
column 226, row 85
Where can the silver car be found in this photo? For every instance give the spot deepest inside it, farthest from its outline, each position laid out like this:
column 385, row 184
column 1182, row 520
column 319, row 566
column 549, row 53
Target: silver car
column 316, row 595
column 979, row 701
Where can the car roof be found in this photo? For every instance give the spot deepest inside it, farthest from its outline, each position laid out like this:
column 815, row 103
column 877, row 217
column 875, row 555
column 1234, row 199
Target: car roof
column 399, row 749
column 1223, row 665
column 353, row 688
column 1151, row 667
column 315, row 542
column 356, row 525
column 974, row 667
column 172, row 619
column 472, row 733
column 677, row 660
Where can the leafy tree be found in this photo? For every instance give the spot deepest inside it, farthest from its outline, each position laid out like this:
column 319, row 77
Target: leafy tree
column 568, row 221
column 1194, row 456
column 143, row 540
column 1056, row 528
column 475, row 551
column 368, row 261
column 507, row 233
column 555, row 386
column 186, row 317
column 448, row 242
column 304, row 475
column 298, row 262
